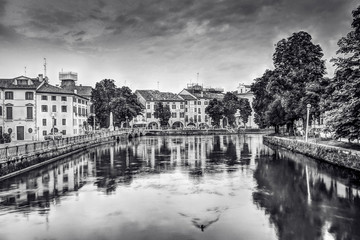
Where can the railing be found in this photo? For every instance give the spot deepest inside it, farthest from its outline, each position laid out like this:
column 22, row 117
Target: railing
column 44, row 146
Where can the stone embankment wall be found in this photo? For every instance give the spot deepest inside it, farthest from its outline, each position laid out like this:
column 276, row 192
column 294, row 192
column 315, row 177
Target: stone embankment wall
column 335, row 155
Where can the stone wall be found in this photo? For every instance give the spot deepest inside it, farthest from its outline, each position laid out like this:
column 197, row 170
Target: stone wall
column 335, row 155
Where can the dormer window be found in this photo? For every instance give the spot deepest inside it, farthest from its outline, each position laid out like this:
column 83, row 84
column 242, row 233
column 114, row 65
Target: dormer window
column 22, row 82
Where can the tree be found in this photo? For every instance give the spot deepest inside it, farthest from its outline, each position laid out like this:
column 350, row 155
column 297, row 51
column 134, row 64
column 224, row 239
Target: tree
column 162, row 113
column 125, row 106
column 101, row 97
column 343, row 92
column 298, row 66
column 90, row 121
column 245, row 110
column 215, row 110
column 231, row 104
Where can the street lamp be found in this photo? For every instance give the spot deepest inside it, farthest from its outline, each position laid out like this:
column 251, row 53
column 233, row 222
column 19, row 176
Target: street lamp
column 94, row 122
column 127, row 126
column 53, row 122
column 308, row 106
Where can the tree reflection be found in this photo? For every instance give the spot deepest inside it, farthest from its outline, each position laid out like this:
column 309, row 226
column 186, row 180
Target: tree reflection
column 282, row 193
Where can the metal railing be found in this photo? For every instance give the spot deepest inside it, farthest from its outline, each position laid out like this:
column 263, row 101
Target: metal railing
column 28, row 149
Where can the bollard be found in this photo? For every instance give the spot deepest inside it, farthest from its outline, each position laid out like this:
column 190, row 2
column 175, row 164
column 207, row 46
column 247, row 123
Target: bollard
column 26, row 149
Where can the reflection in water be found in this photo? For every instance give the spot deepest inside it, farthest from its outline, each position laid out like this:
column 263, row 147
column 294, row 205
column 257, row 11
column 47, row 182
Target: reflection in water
column 305, row 202
column 196, row 187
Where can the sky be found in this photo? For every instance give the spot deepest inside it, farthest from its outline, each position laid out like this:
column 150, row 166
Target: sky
column 161, row 44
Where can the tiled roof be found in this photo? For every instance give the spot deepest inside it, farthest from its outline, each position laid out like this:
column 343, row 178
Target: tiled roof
column 10, row 83
column 155, row 95
column 84, row 90
column 187, row 97
column 47, row 88
column 209, row 95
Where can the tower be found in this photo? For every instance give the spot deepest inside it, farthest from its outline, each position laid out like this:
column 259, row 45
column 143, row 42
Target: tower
column 68, row 80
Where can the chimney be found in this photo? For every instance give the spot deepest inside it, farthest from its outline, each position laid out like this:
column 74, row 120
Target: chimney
column 75, row 91
column 40, row 77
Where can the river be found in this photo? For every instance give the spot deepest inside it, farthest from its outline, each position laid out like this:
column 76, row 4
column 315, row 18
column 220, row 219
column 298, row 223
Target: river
column 197, row 187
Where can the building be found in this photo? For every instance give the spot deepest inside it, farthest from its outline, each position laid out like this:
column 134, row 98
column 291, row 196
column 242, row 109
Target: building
column 197, row 99
column 18, row 107
column 149, row 98
column 244, row 91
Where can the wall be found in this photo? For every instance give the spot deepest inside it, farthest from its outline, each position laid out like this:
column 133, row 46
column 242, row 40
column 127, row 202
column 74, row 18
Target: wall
column 338, row 156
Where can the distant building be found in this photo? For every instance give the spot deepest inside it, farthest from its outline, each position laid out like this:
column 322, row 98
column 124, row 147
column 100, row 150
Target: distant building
column 17, row 108
column 197, row 99
column 244, row 91
column 149, row 98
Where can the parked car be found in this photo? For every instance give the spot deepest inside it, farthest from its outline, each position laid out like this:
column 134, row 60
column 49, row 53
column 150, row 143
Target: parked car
column 52, row 136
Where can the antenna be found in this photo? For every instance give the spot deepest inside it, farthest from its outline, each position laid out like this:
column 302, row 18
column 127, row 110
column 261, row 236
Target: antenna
column 158, row 85
column 124, row 82
column 25, row 71
column 197, row 78
column 44, row 67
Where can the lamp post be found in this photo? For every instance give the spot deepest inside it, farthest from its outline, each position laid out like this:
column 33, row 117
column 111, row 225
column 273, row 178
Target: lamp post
column 53, row 123
column 127, row 121
column 94, row 122
column 308, row 106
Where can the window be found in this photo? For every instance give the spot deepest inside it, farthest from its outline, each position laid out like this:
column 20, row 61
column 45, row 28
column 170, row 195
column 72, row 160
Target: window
column 206, row 103
column 74, row 99
column 199, row 102
column 199, row 110
column 29, row 112
column 148, row 115
column 43, row 97
column 0, row 110
column 44, row 133
column 53, row 98
column 182, row 115
column 22, row 82
column 186, row 109
column 63, row 108
column 74, row 122
column 148, row 106
column 53, row 108
column 173, row 115
column 44, row 108
column 63, row 98
column 63, row 132
column 79, row 111
column 74, row 109
column 54, row 121
column 29, row 95
column 9, row 113
column 64, row 122
column 181, row 106
column 9, row 95
column 206, row 118
column 195, row 102
column 44, row 122
column 186, row 118
column 173, row 106
column 199, row 117
column 79, row 100
column 83, row 111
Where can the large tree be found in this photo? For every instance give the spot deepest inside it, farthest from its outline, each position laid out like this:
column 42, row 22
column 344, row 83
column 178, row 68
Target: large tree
column 125, row 106
column 163, row 113
column 231, row 105
column 101, row 96
column 343, row 92
column 215, row 110
column 298, row 66
column 245, row 110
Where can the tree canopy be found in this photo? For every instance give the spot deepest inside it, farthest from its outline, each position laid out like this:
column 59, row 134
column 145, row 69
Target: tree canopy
column 215, row 110
column 342, row 96
column 163, row 113
column 106, row 98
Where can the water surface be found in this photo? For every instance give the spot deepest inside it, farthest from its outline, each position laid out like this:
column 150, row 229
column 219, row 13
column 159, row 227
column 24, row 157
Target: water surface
column 198, row 187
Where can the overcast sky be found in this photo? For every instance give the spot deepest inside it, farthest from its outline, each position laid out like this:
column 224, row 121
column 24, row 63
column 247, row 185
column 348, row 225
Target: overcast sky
column 142, row 42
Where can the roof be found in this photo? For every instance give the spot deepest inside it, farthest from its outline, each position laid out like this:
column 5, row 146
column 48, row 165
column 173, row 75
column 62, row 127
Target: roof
column 47, row 88
column 155, row 95
column 84, row 90
column 10, row 83
column 187, row 97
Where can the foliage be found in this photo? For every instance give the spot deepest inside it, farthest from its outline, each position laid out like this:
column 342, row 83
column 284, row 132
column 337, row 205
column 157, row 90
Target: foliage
column 125, row 106
column 245, row 110
column 107, row 97
column 162, row 112
column 215, row 110
column 231, row 104
column 6, row 137
column 101, row 97
column 295, row 82
column 342, row 96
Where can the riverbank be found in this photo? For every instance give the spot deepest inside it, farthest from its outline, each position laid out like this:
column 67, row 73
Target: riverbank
column 335, row 155
column 187, row 132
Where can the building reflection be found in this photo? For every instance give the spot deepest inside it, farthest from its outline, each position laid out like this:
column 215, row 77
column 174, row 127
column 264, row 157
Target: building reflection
column 305, row 199
column 119, row 163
